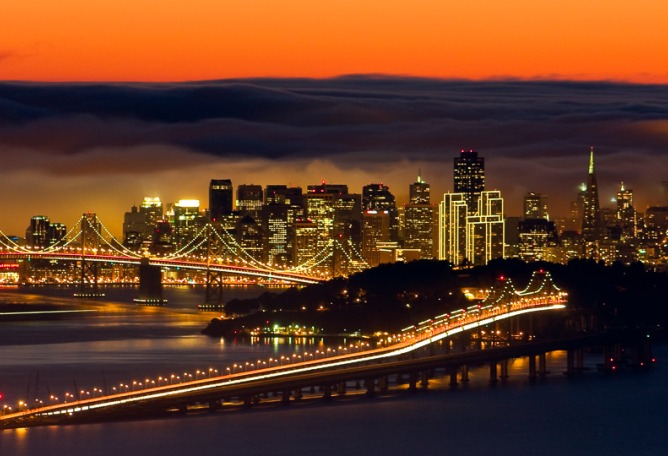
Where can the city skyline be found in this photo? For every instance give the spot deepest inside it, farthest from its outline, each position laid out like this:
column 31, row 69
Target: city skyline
column 72, row 148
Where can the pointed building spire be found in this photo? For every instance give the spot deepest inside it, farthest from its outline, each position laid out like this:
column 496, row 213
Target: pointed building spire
column 591, row 160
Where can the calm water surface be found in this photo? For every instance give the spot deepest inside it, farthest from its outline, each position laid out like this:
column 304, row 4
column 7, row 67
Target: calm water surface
column 596, row 413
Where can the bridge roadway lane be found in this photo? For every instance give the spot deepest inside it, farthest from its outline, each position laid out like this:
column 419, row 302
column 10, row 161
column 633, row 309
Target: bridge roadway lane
column 306, row 373
column 287, row 276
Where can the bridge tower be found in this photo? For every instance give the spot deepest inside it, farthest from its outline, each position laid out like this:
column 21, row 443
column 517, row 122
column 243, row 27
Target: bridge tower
column 213, row 297
column 90, row 244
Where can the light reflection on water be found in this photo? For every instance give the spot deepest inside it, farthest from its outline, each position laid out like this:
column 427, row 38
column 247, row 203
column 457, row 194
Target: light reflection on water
column 595, row 413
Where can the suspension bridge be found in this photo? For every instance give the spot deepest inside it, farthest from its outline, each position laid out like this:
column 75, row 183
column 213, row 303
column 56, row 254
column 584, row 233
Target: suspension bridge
column 409, row 354
column 212, row 251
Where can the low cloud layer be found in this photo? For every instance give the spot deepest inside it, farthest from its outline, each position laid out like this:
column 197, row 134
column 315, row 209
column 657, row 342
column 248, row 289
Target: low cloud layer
column 66, row 148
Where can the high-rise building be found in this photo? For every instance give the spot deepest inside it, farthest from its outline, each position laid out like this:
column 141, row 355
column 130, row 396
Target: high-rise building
column 187, row 221
column 305, row 237
column 377, row 197
column 346, row 233
column 319, row 204
column 591, row 217
column 471, row 239
column 469, row 176
column 152, row 207
column 375, row 230
column 276, row 234
column 485, row 231
column 249, row 200
column 37, row 232
column 220, row 198
column 626, row 213
column 535, row 206
column 137, row 228
column 419, row 220
column 453, row 213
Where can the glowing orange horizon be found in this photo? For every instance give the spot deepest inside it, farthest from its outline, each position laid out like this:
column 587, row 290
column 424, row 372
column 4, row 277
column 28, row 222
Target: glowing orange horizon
column 147, row 40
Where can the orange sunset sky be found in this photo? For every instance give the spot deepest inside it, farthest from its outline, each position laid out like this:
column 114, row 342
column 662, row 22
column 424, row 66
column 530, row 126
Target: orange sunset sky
column 170, row 40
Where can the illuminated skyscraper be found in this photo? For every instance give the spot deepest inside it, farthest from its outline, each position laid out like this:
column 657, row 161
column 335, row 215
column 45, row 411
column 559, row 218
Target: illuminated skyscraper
column 249, row 200
column 152, row 206
column 626, row 213
column 591, row 217
column 471, row 239
column 37, row 232
column 485, row 231
column 377, row 197
column 469, row 177
column 452, row 228
column 375, row 230
column 187, row 221
column 136, row 228
column 419, row 220
column 319, row 203
column 535, row 206
column 220, row 198
column 276, row 234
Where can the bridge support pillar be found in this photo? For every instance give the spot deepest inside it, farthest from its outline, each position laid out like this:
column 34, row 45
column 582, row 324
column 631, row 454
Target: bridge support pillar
column 579, row 359
column 532, row 367
column 542, row 364
column 453, row 378
column 383, row 384
column 465, row 373
column 285, row 398
column 412, row 381
column 492, row 372
column 327, row 392
column 215, row 405
column 298, row 394
column 424, row 379
column 341, row 388
column 248, row 401
column 370, row 387
column 504, row 368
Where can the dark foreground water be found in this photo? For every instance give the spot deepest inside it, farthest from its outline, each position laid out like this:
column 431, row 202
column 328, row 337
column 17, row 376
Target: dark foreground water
column 624, row 413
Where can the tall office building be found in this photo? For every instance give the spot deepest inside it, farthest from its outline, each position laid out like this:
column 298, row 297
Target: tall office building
column 137, row 228
column 626, row 213
column 377, row 197
column 37, row 232
column 452, row 215
column 249, row 200
column 276, row 234
column 476, row 239
column 419, row 220
column 319, row 204
column 375, row 230
column 469, row 176
column 187, row 221
column 152, row 207
column 591, row 216
column 485, row 231
column 535, row 206
column 220, row 199
column 346, row 233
